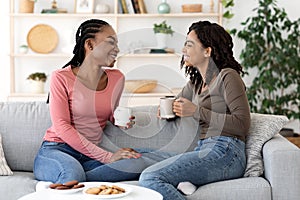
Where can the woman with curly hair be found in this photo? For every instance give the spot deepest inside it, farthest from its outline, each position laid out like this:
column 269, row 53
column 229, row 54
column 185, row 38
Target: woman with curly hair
column 215, row 96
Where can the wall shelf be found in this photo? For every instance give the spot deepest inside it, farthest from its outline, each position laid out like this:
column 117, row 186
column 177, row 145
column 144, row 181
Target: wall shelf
column 140, row 30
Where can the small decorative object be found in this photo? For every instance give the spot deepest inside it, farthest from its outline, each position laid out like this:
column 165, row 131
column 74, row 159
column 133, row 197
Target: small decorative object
column 162, row 31
column 26, row 6
column 54, row 4
column 189, row 8
column 23, row 49
column 37, row 82
column 163, row 7
column 54, row 8
column 84, row 6
column 102, row 8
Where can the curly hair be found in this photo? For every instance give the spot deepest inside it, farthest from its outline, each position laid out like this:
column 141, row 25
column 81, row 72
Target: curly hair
column 219, row 40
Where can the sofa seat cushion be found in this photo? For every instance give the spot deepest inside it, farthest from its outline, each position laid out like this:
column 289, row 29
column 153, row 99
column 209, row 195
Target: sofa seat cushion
column 23, row 182
column 241, row 189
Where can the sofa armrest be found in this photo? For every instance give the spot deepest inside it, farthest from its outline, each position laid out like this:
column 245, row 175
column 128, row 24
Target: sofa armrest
column 282, row 168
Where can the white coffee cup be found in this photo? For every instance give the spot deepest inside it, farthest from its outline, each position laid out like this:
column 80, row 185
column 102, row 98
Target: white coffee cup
column 166, row 107
column 122, row 115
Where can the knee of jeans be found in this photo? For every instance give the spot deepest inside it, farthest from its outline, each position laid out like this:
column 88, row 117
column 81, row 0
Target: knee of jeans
column 150, row 178
column 145, row 179
column 72, row 174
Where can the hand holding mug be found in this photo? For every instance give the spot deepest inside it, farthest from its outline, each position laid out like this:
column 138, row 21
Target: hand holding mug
column 184, row 107
column 123, row 117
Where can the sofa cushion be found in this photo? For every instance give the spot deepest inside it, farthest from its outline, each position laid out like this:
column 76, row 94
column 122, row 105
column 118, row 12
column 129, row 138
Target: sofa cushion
column 263, row 127
column 4, row 168
column 23, row 125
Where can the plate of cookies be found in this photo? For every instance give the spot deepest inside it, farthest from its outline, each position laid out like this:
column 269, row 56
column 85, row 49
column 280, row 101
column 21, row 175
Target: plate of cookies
column 66, row 188
column 106, row 190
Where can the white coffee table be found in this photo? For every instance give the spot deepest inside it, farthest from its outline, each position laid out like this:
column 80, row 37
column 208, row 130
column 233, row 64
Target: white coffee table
column 137, row 193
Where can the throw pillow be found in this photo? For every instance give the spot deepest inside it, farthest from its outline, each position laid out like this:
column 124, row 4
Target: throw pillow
column 263, row 127
column 4, row 168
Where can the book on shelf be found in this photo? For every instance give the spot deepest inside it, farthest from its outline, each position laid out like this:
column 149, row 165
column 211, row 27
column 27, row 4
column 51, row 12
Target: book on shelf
column 130, row 6
column 124, row 6
column 142, row 6
column 120, row 8
column 136, row 7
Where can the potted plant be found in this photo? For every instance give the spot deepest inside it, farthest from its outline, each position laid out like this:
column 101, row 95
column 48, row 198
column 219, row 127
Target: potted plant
column 161, row 31
column 37, row 82
column 271, row 55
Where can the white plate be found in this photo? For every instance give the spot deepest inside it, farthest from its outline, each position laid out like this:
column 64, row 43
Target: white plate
column 67, row 191
column 127, row 188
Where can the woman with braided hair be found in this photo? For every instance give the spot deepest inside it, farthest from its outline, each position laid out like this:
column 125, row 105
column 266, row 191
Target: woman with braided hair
column 83, row 96
column 215, row 97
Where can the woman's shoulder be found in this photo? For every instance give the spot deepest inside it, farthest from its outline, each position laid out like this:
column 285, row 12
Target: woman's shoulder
column 229, row 73
column 63, row 73
column 114, row 72
column 229, row 76
column 64, row 70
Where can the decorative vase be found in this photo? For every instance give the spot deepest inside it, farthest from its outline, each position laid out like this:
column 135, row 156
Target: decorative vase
column 37, row 87
column 102, row 8
column 161, row 39
column 163, row 7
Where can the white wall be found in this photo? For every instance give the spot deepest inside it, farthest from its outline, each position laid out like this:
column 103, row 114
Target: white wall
column 4, row 50
column 242, row 9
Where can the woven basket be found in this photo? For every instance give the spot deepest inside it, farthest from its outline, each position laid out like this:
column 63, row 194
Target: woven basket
column 188, row 8
column 26, row 6
column 140, row 86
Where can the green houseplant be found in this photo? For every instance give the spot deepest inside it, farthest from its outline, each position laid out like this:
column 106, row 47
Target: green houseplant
column 272, row 49
column 163, row 27
column 37, row 82
column 38, row 76
column 161, row 32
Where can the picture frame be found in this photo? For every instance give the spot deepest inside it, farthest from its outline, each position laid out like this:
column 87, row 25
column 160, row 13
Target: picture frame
column 84, row 6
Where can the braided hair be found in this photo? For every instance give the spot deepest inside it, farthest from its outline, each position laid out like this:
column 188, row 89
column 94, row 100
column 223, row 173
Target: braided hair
column 86, row 30
column 214, row 36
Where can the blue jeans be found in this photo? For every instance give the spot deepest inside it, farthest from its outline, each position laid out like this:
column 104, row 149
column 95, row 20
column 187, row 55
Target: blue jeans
column 214, row 159
column 59, row 163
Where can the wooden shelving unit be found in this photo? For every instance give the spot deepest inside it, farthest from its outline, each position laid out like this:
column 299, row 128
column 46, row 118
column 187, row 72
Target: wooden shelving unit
column 65, row 22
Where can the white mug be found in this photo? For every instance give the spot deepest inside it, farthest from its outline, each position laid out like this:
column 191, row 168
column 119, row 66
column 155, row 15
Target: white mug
column 122, row 115
column 166, row 107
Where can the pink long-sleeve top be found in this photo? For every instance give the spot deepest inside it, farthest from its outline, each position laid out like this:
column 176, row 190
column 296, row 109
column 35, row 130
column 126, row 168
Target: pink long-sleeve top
column 79, row 114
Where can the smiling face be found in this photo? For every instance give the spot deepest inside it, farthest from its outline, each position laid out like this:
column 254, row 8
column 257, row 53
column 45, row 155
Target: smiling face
column 104, row 48
column 193, row 51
